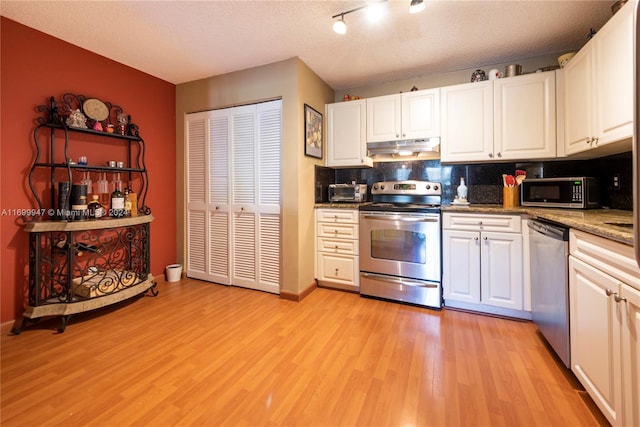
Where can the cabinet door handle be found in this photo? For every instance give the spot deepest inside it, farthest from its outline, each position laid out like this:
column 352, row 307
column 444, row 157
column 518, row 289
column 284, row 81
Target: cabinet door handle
column 476, row 239
column 499, row 154
column 491, row 155
column 485, row 238
column 609, row 292
column 618, row 299
column 595, row 141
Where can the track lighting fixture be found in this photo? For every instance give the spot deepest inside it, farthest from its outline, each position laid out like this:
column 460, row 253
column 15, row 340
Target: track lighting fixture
column 416, row 6
column 374, row 13
column 340, row 26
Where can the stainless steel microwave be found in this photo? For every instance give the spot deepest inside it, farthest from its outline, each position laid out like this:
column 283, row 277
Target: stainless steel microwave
column 348, row 192
column 575, row 192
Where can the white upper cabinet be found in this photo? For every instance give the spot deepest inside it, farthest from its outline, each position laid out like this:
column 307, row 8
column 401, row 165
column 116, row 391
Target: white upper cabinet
column 506, row 119
column 467, row 122
column 346, row 130
column 410, row 115
column 598, row 90
column 525, row 117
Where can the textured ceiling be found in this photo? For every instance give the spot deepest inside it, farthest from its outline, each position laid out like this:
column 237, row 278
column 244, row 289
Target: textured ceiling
column 181, row 41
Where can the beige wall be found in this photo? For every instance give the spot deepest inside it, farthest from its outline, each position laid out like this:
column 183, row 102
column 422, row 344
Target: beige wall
column 443, row 79
column 296, row 84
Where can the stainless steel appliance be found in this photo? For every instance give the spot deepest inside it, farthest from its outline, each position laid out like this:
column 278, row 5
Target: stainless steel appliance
column 575, row 192
column 549, row 252
column 400, row 236
column 348, row 192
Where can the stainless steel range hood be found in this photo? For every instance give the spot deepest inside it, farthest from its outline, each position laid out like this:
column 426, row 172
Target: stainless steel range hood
column 414, row 149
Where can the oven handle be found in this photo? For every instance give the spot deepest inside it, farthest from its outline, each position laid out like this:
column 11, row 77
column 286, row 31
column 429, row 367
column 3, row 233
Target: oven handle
column 399, row 280
column 400, row 218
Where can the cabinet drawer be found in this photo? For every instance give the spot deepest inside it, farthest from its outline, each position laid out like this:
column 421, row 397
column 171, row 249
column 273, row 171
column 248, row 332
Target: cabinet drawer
column 339, row 268
column 610, row 257
column 338, row 246
column 338, row 215
column 342, row 231
column 479, row 222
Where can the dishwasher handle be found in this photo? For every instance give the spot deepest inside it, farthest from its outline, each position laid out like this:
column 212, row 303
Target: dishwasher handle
column 552, row 231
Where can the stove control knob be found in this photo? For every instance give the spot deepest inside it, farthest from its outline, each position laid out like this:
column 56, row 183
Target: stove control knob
column 382, row 187
column 435, row 187
column 428, row 186
column 375, row 186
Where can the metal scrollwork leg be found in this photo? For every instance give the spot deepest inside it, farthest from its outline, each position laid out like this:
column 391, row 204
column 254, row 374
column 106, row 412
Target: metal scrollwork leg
column 63, row 323
column 153, row 290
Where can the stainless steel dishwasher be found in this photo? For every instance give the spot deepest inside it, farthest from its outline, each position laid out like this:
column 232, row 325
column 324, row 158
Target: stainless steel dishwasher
column 549, row 252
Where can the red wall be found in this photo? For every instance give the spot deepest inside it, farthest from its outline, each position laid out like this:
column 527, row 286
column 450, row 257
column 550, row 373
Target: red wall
column 35, row 66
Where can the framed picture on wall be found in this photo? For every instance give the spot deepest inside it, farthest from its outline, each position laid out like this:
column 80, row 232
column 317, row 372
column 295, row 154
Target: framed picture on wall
column 312, row 132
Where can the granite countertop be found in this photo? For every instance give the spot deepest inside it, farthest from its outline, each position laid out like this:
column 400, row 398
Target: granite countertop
column 599, row 222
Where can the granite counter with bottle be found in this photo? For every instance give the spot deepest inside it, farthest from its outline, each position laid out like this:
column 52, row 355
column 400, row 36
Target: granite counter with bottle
column 611, row 224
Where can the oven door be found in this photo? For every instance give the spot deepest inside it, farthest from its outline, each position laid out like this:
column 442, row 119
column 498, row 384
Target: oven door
column 403, row 244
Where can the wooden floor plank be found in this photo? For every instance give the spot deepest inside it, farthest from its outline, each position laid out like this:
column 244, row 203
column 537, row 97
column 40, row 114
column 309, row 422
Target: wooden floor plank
column 206, row 354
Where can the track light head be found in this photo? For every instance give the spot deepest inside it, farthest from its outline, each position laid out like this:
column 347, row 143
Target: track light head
column 416, row 6
column 339, row 26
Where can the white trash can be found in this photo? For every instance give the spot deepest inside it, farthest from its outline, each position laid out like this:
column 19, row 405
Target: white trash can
column 174, row 272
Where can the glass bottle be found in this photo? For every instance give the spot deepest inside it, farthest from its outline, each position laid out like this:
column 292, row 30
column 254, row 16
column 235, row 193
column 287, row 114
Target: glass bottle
column 117, row 200
column 95, row 208
column 127, row 203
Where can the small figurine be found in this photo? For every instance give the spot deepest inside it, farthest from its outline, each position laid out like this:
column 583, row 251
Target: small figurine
column 123, row 120
column 97, row 126
column 76, row 119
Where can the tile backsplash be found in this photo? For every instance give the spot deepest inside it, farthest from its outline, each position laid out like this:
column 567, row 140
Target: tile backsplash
column 484, row 181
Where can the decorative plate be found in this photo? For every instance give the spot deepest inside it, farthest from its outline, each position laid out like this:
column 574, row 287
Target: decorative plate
column 95, row 109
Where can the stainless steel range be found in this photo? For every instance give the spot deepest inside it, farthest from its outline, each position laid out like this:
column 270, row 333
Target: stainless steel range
column 400, row 234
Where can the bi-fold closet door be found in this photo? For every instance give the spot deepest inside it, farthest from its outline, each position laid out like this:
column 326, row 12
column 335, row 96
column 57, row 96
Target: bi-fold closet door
column 233, row 195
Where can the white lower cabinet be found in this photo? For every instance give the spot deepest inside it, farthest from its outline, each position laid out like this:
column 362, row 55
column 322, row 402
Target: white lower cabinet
column 337, row 248
column 482, row 265
column 605, row 322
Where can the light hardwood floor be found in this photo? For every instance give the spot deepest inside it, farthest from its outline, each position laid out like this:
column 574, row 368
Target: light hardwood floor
column 210, row 355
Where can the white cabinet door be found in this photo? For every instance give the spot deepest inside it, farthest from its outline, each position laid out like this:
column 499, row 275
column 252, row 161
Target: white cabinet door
column 501, row 270
column 578, row 102
column 461, row 266
column 525, row 117
column 595, row 336
column 631, row 354
column 466, row 113
column 346, row 134
column 613, row 62
column 421, row 114
column 384, row 118
column 598, row 98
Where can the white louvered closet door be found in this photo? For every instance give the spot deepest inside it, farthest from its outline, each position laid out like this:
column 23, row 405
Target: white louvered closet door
column 196, row 195
column 243, row 190
column 234, row 196
column 269, row 155
column 218, row 207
